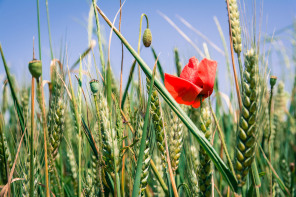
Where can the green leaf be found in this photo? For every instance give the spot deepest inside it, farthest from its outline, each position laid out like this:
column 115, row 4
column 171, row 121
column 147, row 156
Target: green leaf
column 13, row 93
column 137, row 183
column 158, row 65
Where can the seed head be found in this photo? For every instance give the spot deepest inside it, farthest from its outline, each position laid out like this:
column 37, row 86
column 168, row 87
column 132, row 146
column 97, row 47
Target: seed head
column 94, row 86
column 272, row 81
column 35, row 67
column 147, row 37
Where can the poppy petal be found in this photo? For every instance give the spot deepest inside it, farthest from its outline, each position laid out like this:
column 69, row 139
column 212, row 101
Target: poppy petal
column 190, row 72
column 196, row 104
column 206, row 72
column 183, row 91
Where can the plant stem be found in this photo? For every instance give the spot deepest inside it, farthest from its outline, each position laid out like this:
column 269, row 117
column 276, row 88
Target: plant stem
column 121, row 69
column 130, row 77
column 99, row 39
column 32, row 140
column 45, row 138
column 240, row 68
column 38, row 22
column 159, row 178
column 139, row 44
column 223, row 141
column 49, row 34
column 143, row 141
column 79, row 95
column 13, row 92
column 269, row 137
column 255, row 178
column 170, row 166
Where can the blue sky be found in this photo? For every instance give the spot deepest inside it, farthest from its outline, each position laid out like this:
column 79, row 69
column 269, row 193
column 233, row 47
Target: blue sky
column 68, row 20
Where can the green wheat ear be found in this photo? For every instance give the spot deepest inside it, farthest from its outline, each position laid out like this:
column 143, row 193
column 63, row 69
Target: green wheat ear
column 276, row 190
column 235, row 26
column 279, row 123
column 192, row 165
column 73, row 169
column 247, row 132
column 176, row 140
column 5, row 157
column 109, row 137
column 205, row 166
column 25, row 103
column 157, row 189
column 4, row 99
column 157, row 118
column 286, row 173
column 55, row 124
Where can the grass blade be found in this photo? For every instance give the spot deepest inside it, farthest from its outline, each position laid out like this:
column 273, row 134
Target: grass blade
column 143, row 141
column 130, row 77
column 13, row 93
column 158, row 65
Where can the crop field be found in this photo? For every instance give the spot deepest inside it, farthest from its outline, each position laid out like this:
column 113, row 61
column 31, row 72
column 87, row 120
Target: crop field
column 82, row 125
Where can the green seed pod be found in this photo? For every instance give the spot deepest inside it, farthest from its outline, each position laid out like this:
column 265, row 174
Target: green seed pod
column 147, row 38
column 94, row 86
column 273, row 80
column 35, row 67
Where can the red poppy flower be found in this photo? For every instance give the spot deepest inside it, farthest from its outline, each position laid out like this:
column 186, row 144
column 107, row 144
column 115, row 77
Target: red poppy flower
column 196, row 80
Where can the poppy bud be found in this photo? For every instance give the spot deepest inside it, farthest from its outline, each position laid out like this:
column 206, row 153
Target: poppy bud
column 35, row 67
column 272, row 80
column 94, row 86
column 147, row 38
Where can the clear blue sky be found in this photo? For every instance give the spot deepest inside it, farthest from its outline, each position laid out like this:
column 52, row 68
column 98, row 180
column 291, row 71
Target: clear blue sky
column 68, row 19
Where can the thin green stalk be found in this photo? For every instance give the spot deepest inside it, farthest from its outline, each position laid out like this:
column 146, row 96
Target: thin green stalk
column 79, row 132
column 278, row 179
column 130, row 77
column 158, row 65
column 139, row 44
column 269, row 138
column 43, row 108
column 99, row 39
column 32, row 140
column 109, row 86
column 159, row 178
column 240, row 68
column 45, row 133
column 39, row 36
column 223, row 141
column 255, row 178
column 109, row 101
column 13, row 92
column 49, row 34
column 82, row 56
column 228, row 176
column 143, row 141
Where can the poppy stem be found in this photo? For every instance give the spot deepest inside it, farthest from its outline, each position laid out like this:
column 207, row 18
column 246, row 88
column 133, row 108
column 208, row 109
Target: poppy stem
column 139, row 44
